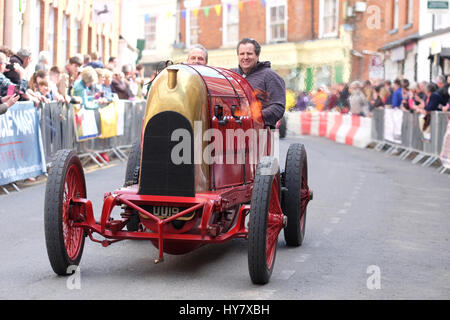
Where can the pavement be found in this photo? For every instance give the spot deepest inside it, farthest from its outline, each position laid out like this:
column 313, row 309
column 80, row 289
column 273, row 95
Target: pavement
column 378, row 228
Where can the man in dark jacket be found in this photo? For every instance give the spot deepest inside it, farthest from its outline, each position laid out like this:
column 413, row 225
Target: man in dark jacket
column 269, row 86
column 23, row 59
column 443, row 87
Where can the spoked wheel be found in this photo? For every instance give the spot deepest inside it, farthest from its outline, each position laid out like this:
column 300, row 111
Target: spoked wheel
column 64, row 241
column 297, row 196
column 266, row 221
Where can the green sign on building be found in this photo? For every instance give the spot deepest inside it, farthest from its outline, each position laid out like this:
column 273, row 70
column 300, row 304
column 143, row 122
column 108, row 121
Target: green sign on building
column 438, row 5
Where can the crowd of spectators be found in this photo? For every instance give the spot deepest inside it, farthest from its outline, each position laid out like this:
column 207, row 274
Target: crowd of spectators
column 362, row 98
column 84, row 80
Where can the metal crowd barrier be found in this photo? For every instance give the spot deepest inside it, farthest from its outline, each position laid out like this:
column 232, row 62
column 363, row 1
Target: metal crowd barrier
column 56, row 121
column 58, row 132
column 414, row 145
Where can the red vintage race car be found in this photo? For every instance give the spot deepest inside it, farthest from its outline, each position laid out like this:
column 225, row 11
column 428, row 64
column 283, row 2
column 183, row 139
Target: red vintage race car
column 204, row 171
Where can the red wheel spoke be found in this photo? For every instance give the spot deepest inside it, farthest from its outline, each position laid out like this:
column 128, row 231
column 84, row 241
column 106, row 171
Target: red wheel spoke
column 72, row 236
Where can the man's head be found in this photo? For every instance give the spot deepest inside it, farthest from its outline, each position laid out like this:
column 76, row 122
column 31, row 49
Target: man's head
column 94, row 56
column 25, row 55
column 198, row 55
column 113, row 61
column 440, row 81
column 74, row 66
column 44, row 57
column 54, row 74
column 248, row 51
column 397, row 84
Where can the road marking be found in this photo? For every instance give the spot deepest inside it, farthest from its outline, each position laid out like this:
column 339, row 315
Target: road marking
column 284, row 275
column 327, row 231
column 335, row 220
column 303, row 257
column 257, row 294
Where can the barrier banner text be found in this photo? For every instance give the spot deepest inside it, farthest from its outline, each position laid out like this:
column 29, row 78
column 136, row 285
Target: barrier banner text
column 21, row 155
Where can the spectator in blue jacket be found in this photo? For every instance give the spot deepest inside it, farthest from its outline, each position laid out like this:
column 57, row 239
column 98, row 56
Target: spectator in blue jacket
column 433, row 101
column 397, row 96
column 84, row 88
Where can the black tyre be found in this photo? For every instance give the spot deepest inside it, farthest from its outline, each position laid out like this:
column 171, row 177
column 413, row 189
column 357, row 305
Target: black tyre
column 297, row 195
column 283, row 128
column 65, row 242
column 133, row 164
column 266, row 221
column 132, row 178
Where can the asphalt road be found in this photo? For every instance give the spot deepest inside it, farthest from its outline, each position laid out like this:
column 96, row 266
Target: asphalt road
column 378, row 228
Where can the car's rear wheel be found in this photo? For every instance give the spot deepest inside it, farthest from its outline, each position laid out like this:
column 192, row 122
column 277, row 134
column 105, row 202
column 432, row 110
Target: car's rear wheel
column 297, row 195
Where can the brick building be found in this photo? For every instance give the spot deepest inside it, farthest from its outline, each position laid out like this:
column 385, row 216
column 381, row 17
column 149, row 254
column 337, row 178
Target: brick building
column 62, row 27
column 401, row 34
column 304, row 40
column 310, row 43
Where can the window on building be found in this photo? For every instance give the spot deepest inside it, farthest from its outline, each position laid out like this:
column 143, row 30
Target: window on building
column 409, row 12
column 37, row 23
column 230, row 22
column 51, row 34
column 193, row 28
column 276, row 17
column 150, row 33
column 395, row 14
column 77, row 37
column 190, row 15
column 328, row 18
column 100, row 46
column 64, row 38
column 440, row 21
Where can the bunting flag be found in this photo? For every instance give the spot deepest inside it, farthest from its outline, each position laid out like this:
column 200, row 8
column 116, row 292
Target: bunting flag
column 218, row 9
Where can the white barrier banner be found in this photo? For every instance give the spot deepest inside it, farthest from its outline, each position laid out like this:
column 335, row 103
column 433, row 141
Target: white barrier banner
column 85, row 124
column 393, row 120
column 445, row 154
